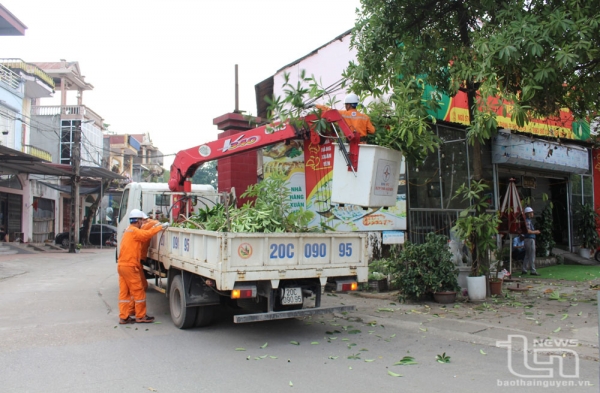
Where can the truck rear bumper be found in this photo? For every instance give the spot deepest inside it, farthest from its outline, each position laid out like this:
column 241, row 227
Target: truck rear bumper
column 268, row 316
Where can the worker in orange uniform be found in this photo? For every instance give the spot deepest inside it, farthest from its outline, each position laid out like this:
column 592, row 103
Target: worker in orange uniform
column 356, row 120
column 130, row 283
column 147, row 224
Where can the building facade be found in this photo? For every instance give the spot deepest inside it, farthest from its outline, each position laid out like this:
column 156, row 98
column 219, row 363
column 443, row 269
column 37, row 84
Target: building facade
column 549, row 158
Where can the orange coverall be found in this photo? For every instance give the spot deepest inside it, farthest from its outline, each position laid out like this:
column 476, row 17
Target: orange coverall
column 357, row 121
column 130, row 284
column 143, row 255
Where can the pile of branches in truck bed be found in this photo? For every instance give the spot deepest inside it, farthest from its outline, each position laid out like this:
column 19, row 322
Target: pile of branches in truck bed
column 268, row 212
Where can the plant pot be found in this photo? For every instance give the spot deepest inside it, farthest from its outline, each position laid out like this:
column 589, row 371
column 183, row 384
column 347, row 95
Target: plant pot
column 378, row 285
column 496, row 287
column 584, row 252
column 476, row 288
column 446, row 297
column 77, row 251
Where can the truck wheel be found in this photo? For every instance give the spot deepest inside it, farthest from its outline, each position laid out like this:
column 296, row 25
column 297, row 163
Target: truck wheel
column 204, row 316
column 183, row 317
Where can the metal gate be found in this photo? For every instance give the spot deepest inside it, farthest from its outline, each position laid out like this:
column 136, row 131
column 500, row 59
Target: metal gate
column 43, row 220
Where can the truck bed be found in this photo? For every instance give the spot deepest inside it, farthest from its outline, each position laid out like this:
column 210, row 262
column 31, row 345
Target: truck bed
column 228, row 258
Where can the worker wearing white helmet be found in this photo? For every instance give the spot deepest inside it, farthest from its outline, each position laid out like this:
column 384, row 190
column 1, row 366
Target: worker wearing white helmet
column 529, row 242
column 356, row 120
column 130, row 283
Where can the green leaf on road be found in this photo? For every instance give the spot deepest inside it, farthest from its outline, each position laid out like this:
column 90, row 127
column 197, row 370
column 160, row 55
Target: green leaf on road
column 240, row 349
column 294, row 342
column 565, row 316
column 557, row 330
column 264, row 345
column 291, row 384
column 333, row 357
column 314, row 343
column 355, row 331
column 405, row 361
column 384, row 309
column 482, row 352
column 393, row 374
column 369, row 360
column 273, row 357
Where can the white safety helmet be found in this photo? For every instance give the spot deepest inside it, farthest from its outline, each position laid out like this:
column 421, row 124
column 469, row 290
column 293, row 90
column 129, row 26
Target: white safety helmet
column 351, row 99
column 528, row 210
column 137, row 213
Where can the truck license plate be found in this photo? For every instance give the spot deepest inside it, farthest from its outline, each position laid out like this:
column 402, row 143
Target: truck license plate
column 292, row 296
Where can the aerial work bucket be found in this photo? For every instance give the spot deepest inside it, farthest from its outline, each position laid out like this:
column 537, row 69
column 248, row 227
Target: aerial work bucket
column 375, row 181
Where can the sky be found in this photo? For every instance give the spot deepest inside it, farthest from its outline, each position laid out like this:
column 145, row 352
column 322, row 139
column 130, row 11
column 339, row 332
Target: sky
column 167, row 67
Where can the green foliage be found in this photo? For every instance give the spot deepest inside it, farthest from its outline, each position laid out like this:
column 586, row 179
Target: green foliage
column 419, row 270
column 535, row 56
column 539, row 55
column 403, row 124
column 475, row 227
column 268, row 212
column 586, row 218
column 206, row 174
column 545, row 224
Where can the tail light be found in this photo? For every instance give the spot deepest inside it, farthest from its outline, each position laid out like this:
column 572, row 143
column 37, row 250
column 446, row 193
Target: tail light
column 244, row 292
column 344, row 286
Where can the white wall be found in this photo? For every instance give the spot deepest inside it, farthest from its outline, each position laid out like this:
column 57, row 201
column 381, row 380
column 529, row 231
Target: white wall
column 327, row 65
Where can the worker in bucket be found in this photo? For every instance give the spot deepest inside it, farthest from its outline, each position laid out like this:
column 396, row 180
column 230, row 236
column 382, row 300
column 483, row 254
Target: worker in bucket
column 357, row 121
column 130, row 284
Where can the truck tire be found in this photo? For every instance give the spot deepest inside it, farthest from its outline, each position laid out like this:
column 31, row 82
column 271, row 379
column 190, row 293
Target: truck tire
column 183, row 317
column 204, row 316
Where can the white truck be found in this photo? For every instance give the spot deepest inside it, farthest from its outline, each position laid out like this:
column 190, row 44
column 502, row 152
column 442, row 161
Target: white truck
column 268, row 274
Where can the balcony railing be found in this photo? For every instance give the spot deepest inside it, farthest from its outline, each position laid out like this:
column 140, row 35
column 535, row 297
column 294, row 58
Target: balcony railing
column 9, row 77
column 29, row 69
column 39, row 153
column 81, row 110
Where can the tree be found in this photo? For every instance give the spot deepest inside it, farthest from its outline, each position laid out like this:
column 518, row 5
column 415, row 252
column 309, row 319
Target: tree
column 206, row 174
column 536, row 55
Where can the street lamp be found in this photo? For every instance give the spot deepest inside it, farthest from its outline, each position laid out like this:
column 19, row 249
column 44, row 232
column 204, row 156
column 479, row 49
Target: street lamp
column 75, row 180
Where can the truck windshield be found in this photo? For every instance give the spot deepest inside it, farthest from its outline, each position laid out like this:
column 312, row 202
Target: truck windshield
column 124, row 200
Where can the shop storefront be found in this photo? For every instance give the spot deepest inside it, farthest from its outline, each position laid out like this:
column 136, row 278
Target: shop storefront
column 547, row 174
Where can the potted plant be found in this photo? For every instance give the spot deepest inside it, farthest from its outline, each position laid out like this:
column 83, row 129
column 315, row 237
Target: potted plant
column 78, row 247
column 545, row 224
column 422, row 270
column 378, row 274
column 496, row 281
column 478, row 230
column 378, row 281
column 587, row 229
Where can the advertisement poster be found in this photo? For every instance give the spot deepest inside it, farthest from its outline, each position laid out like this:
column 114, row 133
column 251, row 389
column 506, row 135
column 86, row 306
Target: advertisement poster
column 311, row 186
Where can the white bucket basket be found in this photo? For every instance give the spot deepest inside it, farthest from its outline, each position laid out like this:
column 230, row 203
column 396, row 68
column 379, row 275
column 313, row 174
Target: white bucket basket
column 375, row 183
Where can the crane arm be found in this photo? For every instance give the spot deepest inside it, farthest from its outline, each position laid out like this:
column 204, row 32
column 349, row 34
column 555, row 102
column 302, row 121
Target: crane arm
column 187, row 161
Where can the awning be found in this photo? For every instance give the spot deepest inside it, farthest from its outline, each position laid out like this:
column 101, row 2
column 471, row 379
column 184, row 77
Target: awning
column 15, row 161
column 67, row 188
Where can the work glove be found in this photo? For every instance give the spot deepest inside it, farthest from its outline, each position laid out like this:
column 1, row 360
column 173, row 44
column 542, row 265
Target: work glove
column 165, row 225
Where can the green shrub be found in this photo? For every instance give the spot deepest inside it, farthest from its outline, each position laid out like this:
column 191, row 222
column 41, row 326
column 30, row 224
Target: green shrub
column 419, row 270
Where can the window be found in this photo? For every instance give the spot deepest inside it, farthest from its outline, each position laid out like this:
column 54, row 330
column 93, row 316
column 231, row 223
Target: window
column 124, row 201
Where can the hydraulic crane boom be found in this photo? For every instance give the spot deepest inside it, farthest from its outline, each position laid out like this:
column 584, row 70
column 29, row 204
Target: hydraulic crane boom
column 187, row 161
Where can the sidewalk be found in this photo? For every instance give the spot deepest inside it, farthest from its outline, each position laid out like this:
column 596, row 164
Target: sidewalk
column 575, row 259
column 532, row 314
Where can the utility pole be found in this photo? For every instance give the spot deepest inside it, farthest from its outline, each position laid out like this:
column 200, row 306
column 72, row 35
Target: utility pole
column 75, row 179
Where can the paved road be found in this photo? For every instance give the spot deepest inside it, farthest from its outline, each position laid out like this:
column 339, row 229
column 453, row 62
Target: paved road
column 59, row 333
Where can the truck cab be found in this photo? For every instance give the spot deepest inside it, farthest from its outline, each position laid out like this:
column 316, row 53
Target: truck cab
column 157, row 201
